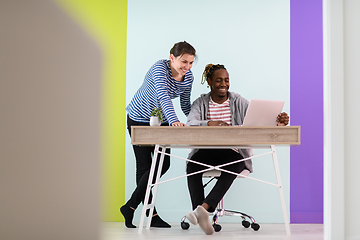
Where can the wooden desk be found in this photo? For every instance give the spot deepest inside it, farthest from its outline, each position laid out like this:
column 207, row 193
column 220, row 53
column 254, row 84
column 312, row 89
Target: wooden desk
column 215, row 136
column 212, row 137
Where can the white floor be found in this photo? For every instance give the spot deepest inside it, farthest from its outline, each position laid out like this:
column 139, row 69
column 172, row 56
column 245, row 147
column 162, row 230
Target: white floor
column 117, row 231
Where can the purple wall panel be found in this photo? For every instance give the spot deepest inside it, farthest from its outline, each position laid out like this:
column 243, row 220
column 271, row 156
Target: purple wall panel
column 306, row 103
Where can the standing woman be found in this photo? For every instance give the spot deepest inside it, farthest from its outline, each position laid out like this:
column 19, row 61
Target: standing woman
column 165, row 80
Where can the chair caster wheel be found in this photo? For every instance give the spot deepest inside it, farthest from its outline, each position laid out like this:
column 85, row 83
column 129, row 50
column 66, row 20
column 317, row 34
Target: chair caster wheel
column 245, row 224
column 185, row 225
column 255, row 226
column 217, row 227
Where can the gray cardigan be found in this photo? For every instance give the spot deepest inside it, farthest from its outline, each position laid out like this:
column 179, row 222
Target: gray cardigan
column 238, row 108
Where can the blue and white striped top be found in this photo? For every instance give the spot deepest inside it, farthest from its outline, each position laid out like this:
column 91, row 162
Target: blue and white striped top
column 157, row 90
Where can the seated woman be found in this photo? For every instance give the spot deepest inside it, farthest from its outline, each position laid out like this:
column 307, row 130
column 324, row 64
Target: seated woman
column 219, row 107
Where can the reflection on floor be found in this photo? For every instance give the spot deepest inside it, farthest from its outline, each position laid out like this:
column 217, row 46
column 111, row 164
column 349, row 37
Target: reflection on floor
column 117, row 231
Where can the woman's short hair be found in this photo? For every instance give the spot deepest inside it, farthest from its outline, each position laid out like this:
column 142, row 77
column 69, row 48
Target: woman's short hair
column 182, row 48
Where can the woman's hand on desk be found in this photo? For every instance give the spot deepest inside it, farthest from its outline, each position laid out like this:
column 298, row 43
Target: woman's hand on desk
column 217, row 123
column 178, row 124
column 282, row 119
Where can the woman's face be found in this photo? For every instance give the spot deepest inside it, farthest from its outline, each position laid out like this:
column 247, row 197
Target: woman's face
column 219, row 84
column 182, row 63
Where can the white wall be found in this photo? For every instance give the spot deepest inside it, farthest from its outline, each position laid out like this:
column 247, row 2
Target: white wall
column 341, row 99
column 351, row 117
column 252, row 39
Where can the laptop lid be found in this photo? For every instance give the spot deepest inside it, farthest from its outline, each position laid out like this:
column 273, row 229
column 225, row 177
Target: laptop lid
column 263, row 112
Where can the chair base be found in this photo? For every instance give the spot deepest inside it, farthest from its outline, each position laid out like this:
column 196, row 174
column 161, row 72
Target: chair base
column 247, row 220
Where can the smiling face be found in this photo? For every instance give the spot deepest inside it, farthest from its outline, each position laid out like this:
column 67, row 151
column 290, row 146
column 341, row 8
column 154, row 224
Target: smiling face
column 180, row 65
column 219, row 85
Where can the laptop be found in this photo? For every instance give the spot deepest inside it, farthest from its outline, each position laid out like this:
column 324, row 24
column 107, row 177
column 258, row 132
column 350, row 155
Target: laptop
column 263, row 112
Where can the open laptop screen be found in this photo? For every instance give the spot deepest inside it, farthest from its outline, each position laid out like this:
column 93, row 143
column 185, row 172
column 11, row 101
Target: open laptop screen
column 263, row 112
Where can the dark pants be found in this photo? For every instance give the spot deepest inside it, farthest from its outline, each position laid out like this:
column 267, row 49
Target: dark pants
column 212, row 157
column 143, row 157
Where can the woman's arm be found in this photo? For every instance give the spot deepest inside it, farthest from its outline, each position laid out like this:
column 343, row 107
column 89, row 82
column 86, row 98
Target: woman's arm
column 161, row 89
column 185, row 101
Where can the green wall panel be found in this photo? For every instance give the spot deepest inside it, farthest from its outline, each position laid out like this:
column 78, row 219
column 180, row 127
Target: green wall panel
column 106, row 22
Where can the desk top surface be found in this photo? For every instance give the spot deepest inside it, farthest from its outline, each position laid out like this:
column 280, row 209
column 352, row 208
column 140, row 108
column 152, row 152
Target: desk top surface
column 215, row 136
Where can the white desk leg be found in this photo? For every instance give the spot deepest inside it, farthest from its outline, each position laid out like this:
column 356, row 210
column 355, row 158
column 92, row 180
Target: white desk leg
column 281, row 192
column 152, row 204
column 148, row 190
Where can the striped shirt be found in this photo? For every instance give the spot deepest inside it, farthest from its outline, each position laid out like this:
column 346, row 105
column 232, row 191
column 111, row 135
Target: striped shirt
column 219, row 112
column 157, row 90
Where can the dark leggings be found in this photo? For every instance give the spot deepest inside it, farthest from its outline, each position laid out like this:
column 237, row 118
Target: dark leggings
column 212, row 157
column 143, row 157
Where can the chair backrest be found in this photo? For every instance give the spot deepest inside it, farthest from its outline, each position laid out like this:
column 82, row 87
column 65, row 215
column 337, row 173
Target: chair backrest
column 216, row 173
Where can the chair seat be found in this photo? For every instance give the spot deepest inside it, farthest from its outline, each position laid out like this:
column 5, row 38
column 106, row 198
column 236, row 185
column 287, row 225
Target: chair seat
column 216, row 173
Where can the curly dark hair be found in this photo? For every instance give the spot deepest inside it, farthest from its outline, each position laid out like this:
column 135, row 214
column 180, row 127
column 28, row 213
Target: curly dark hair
column 209, row 71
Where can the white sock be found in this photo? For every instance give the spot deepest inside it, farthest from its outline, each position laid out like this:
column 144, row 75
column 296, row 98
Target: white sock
column 192, row 218
column 204, row 221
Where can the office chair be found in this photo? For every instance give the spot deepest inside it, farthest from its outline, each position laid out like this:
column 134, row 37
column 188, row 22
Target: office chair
column 220, row 211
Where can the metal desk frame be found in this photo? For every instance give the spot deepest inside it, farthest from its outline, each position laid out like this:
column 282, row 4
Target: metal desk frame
column 193, row 137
